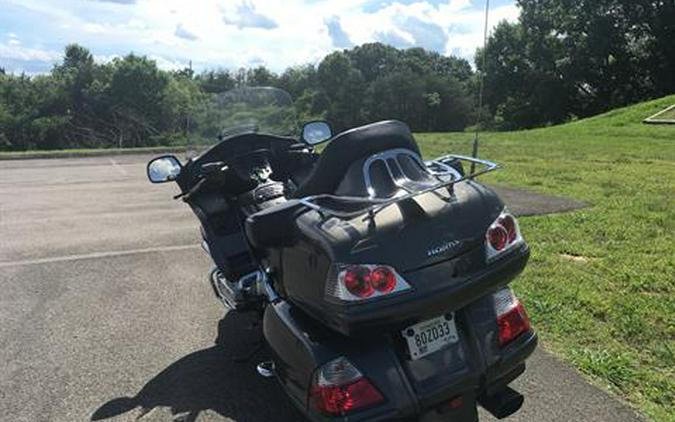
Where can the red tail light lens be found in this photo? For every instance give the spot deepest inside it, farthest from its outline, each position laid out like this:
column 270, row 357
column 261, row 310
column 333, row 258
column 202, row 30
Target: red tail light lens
column 340, row 388
column 498, row 237
column 361, row 282
column 512, row 318
column 502, row 235
column 512, row 324
column 338, row 400
column 509, row 223
column 383, row 279
column 357, row 281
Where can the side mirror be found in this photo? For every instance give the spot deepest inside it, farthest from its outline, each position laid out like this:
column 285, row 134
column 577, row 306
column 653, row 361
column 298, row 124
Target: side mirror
column 316, row 132
column 164, row 169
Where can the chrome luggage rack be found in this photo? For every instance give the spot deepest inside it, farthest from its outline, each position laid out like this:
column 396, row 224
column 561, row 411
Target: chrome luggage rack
column 438, row 168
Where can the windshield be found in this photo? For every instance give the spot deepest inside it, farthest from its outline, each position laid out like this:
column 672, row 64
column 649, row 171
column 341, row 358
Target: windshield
column 241, row 110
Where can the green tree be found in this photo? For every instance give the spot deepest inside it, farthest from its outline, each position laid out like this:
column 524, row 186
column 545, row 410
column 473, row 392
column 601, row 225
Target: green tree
column 296, row 80
column 136, row 94
column 521, row 91
column 131, row 102
column 260, row 76
column 216, row 81
column 344, row 86
column 577, row 58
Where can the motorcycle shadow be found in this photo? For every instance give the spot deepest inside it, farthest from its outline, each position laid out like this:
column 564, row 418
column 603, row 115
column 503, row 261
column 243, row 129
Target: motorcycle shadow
column 210, row 380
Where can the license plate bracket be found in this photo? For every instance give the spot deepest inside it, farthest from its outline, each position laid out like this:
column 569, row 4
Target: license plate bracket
column 430, row 336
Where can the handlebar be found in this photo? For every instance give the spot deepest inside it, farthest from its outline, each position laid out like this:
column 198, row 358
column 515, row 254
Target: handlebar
column 234, row 177
column 208, row 170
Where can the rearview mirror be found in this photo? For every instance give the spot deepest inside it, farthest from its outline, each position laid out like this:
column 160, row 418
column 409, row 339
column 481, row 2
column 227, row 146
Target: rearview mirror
column 164, row 169
column 314, row 133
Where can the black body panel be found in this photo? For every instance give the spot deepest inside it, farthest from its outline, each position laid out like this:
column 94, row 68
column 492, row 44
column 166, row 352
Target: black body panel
column 222, row 206
column 435, row 243
column 472, row 367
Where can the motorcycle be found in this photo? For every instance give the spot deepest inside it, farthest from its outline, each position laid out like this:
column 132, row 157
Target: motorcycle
column 382, row 280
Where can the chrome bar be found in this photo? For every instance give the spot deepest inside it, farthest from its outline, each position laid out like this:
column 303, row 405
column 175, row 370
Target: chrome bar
column 377, row 204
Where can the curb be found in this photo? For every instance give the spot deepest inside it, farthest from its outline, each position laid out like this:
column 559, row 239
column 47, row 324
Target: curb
column 32, row 155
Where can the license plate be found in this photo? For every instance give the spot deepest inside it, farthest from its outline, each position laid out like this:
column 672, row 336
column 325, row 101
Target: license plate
column 430, row 336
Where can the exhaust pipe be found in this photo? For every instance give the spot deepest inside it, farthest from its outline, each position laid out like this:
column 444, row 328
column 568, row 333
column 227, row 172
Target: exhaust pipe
column 503, row 403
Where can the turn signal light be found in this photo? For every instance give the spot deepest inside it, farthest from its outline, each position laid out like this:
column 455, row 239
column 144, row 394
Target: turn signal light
column 339, row 388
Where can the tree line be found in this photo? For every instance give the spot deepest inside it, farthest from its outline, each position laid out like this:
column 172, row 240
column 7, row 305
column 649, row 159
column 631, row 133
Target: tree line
column 130, row 102
column 562, row 60
column 567, row 59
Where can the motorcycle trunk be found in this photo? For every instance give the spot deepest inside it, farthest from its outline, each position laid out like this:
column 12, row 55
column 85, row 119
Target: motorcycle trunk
column 436, row 243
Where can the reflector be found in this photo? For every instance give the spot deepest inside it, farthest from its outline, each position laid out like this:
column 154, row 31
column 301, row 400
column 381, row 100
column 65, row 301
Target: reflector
column 512, row 318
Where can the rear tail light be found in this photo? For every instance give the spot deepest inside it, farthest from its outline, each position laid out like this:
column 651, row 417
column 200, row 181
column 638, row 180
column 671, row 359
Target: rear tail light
column 354, row 283
column 339, row 388
column 511, row 316
column 502, row 235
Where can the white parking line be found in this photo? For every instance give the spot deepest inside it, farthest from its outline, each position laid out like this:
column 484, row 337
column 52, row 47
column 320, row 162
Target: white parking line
column 96, row 255
column 119, row 168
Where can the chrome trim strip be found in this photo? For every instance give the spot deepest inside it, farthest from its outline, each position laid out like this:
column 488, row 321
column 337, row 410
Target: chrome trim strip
column 384, row 156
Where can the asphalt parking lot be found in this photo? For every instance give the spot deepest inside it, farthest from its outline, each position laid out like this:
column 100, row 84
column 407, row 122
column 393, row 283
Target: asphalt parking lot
column 106, row 313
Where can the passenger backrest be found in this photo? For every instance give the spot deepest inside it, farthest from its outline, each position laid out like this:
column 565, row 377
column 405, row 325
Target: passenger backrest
column 350, row 146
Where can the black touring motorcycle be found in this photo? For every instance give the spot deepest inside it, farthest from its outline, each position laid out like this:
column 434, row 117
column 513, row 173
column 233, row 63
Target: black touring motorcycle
column 382, row 279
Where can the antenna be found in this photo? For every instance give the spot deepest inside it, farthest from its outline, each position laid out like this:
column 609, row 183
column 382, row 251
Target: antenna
column 481, row 83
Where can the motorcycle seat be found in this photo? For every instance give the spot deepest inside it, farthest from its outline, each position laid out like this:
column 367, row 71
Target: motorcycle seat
column 350, row 146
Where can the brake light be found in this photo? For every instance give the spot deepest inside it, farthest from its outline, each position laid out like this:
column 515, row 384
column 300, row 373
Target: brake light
column 512, row 318
column 497, row 237
column 339, row 388
column 360, row 282
column 502, row 235
column 357, row 281
column 383, row 279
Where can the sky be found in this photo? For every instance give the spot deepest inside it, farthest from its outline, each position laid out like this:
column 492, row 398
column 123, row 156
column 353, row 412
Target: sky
column 228, row 34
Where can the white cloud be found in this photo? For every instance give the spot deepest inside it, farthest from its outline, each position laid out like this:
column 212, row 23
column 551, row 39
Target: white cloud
column 182, row 32
column 21, row 53
column 168, row 64
column 246, row 15
column 94, row 28
column 338, row 36
column 242, row 32
column 117, row 1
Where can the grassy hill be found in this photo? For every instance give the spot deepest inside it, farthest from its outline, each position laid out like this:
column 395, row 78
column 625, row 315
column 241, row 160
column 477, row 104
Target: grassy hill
column 601, row 282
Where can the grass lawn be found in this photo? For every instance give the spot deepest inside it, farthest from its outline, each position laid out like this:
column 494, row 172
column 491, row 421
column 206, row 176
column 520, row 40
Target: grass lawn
column 600, row 286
